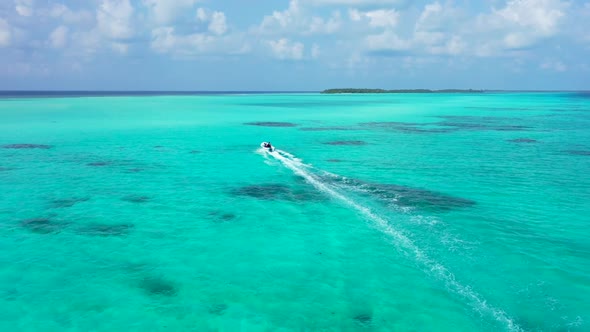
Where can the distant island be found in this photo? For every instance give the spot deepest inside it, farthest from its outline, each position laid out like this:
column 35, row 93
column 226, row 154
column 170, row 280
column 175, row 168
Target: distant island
column 332, row 91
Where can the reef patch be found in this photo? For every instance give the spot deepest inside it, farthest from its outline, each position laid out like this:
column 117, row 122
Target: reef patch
column 271, row 124
column 136, row 199
column 27, row 146
column 105, row 230
column 349, row 143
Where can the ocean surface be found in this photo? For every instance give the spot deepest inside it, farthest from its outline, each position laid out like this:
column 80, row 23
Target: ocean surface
column 397, row 212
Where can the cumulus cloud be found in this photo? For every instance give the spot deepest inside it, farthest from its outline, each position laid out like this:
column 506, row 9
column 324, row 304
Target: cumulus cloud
column 167, row 40
column 166, row 11
column 356, row 3
column 543, row 16
column 24, row 7
column 86, row 43
column 5, row 33
column 69, row 16
column 58, row 37
column 120, row 48
column 284, row 49
column 557, row 66
column 387, row 41
column 519, row 24
column 315, row 51
column 217, row 24
column 377, row 18
column 217, row 21
column 439, row 29
column 297, row 20
column 114, row 18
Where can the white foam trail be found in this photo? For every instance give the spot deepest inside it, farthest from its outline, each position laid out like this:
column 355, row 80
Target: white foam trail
column 403, row 242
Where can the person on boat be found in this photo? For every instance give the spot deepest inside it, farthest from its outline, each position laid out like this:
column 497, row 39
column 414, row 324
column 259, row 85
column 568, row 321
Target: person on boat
column 267, row 145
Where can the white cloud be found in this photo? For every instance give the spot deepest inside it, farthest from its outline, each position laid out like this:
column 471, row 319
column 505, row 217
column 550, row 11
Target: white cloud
column 121, row 48
column 24, row 7
column 85, row 43
column 282, row 19
column 357, row 3
column 58, row 37
column 217, row 24
column 286, row 50
column 166, row 11
column 202, row 15
column 436, row 17
column 557, row 66
column 5, row 33
column 166, row 40
column 315, row 51
column 388, row 41
column 542, row 16
column 217, row 21
column 377, row 18
column 439, row 30
column 297, row 20
column 518, row 25
column 114, row 19
column 69, row 16
column 318, row 25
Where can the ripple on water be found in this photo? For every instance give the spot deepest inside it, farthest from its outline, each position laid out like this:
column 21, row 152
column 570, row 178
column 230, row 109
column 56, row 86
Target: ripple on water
column 271, row 124
column 351, row 143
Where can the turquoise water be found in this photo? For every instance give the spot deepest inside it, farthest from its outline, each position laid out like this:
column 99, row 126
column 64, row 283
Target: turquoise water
column 450, row 212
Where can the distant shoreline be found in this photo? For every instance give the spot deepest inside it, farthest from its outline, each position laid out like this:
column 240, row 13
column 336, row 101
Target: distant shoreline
column 348, row 90
column 19, row 94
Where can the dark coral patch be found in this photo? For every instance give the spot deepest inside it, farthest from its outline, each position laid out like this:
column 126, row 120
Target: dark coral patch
column 271, row 124
column 99, row 163
column 136, row 199
column 43, row 225
column 481, row 123
column 221, row 216
column 217, row 309
column 407, row 196
column 263, row 191
column 578, row 152
column 27, row 146
column 105, row 230
column 327, row 129
column 523, row 140
column 67, row 202
column 355, row 143
column 278, row 191
column 391, row 124
column 363, row 319
column 406, row 127
column 158, row 286
column 423, row 199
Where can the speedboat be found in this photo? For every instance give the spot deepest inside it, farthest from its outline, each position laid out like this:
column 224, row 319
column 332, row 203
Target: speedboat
column 267, row 146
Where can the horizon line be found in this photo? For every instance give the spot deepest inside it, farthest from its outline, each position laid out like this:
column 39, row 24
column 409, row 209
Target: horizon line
column 291, row 91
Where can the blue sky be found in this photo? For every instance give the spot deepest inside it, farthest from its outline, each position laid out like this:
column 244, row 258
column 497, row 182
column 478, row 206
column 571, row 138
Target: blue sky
column 293, row 45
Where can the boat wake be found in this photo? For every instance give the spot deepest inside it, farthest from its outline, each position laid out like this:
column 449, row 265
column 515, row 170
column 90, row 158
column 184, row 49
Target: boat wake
column 401, row 241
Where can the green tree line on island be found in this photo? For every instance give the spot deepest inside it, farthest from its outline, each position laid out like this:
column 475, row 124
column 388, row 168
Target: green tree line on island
column 332, row 91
